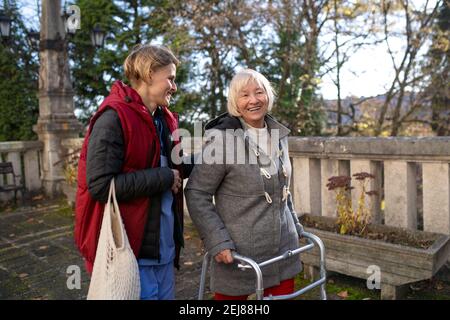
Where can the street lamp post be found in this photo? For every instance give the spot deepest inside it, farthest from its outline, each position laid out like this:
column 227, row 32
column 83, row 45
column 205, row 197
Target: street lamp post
column 56, row 121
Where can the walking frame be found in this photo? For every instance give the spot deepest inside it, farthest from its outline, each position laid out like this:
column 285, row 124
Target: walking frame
column 247, row 263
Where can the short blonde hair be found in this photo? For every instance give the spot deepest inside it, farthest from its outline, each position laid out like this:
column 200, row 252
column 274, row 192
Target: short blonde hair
column 145, row 59
column 239, row 81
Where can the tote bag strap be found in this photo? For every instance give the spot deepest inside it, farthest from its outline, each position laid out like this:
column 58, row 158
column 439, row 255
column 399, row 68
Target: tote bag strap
column 117, row 228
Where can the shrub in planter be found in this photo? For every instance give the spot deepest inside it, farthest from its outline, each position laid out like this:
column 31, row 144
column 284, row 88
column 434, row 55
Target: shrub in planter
column 350, row 221
column 388, row 258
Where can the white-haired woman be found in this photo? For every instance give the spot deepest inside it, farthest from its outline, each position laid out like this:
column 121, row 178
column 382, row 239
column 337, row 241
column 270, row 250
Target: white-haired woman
column 249, row 179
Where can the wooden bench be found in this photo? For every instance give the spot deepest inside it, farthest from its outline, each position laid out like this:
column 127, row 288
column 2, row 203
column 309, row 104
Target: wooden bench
column 6, row 168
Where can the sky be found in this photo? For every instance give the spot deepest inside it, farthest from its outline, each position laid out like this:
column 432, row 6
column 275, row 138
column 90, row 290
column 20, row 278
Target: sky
column 368, row 72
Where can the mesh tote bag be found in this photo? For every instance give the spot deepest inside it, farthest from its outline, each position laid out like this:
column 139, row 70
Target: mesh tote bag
column 115, row 275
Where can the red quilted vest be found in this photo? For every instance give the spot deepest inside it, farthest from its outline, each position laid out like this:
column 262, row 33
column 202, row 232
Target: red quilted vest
column 142, row 151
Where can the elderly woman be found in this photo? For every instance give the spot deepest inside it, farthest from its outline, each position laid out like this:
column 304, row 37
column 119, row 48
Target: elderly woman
column 249, row 175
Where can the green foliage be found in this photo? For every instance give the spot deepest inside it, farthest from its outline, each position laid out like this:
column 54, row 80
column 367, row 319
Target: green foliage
column 95, row 69
column 18, row 84
column 295, row 65
column 354, row 289
column 127, row 23
column 212, row 39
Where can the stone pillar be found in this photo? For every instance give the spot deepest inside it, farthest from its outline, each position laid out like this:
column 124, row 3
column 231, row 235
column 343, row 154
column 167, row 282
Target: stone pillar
column 56, row 120
column 306, row 185
column 330, row 168
column 400, row 193
column 373, row 203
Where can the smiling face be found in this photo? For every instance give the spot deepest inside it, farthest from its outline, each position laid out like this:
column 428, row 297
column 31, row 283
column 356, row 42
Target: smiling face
column 252, row 104
column 159, row 90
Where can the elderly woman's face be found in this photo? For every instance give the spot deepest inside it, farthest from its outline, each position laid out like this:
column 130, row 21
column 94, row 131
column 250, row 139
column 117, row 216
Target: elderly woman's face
column 252, row 104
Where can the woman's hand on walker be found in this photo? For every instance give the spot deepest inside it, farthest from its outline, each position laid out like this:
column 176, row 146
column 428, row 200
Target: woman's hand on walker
column 224, row 256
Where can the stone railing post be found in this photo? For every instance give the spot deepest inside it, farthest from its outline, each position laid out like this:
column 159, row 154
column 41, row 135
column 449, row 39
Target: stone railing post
column 330, row 168
column 306, row 183
column 400, row 193
column 14, row 158
column 32, row 170
column 436, row 197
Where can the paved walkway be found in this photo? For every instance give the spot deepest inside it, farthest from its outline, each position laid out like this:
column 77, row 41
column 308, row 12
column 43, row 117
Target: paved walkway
column 37, row 248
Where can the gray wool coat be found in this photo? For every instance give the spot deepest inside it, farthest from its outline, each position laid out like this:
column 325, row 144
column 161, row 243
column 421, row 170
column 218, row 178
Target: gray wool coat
column 251, row 212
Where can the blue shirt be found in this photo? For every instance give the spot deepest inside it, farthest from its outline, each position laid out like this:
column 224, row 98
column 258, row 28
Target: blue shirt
column 166, row 241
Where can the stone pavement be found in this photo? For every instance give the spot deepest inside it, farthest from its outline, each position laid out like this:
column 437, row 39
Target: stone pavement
column 37, row 248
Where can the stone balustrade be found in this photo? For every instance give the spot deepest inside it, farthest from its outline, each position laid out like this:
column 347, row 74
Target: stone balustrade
column 412, row 174
column 26, row 157
column 26, row 160
column 412, row 177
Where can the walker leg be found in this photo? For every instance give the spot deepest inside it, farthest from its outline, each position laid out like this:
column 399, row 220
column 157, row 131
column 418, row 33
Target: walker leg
column 258, row 273
column 201, row 291
column 323, row 293
column 323, row 273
